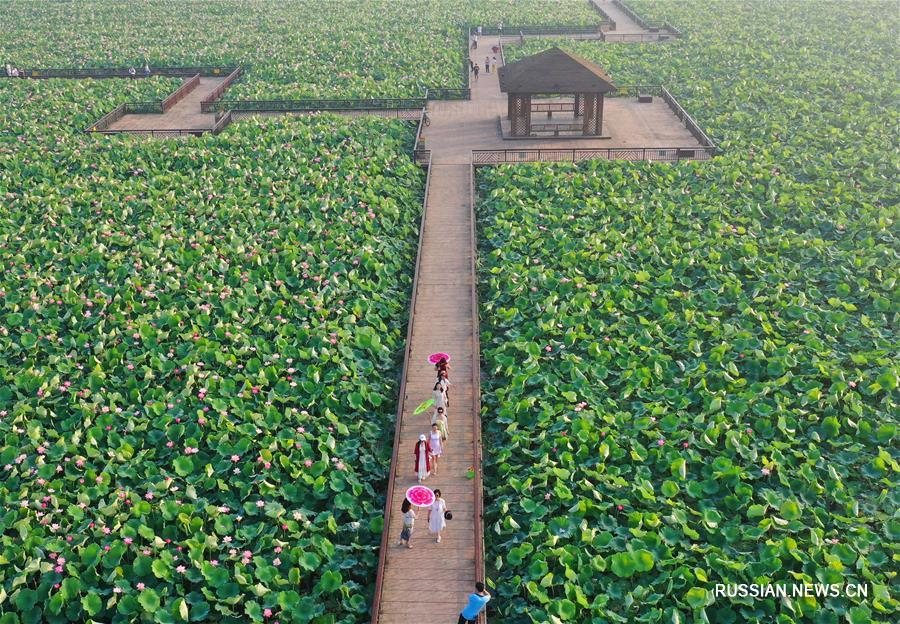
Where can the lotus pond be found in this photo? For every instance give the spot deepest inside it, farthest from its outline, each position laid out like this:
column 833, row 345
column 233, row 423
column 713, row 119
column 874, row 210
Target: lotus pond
column 199, row 346
column 312, row 48
column 692, row 369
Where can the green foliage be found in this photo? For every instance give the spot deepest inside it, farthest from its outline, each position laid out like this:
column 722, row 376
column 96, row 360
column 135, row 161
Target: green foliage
column 698, row 361
column 178, row 345
column 304, row 48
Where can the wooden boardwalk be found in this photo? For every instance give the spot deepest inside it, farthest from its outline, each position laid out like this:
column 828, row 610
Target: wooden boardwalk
column 429, row 583
column 184, row 115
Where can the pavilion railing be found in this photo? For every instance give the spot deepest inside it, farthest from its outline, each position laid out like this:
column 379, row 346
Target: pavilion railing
column 222, row 121
column 660, row 154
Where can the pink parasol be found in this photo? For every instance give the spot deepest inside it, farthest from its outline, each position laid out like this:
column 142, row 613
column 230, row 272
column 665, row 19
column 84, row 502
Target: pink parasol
column 420, row 496
column 434, row 358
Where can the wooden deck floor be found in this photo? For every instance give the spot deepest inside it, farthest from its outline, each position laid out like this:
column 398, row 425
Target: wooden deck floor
column 185, row 115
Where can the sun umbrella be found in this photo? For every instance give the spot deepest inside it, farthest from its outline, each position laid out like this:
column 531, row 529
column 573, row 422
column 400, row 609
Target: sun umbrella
column 420, row 496
column 434, row 358
column 423, row 406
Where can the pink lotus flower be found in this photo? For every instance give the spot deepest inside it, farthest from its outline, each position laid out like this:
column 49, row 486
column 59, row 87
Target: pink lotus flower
column 766, row 472
column 260, row 503
column 619, row 507
column 307, row 463
column 141, row 586
column 128, row 540
column 267, row 613
column 661, row 442
column 180, row 569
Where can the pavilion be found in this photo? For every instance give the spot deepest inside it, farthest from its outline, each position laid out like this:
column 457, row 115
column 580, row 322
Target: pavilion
column 554, row 72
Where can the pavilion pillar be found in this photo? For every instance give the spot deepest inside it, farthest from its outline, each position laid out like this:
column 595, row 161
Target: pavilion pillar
column 588, row 127
column 600, row 114
column 519, row 114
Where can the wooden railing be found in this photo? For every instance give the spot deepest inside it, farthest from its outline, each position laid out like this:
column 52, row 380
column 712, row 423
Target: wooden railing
column 637, row 37
column 603, row 14
column 389, row 500
column 478, row 513
column 662, row 154
column 144, row 108
column 286, row 106
column 179, row 94
column 160, row 134
column 107, row 120
column 688, row 121
column 640, row 21
column 222, row 121
column 119, row 72
column 206, row 105
column 449, row 93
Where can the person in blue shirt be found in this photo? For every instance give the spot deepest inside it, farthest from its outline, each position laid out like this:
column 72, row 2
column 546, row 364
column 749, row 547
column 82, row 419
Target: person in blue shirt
column 476, row 604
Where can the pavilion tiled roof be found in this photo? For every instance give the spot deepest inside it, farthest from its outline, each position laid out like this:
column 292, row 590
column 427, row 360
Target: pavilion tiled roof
column 554, row 71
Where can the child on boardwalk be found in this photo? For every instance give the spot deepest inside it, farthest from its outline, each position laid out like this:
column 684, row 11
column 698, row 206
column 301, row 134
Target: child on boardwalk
column 409, row 520
column 436, row 521
column 434, row 441
column 423, row 458
column 475, row 69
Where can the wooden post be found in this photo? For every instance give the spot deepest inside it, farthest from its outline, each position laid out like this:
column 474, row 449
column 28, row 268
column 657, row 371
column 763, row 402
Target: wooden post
column 589, row 115
column 600, row 115
column 579, row 105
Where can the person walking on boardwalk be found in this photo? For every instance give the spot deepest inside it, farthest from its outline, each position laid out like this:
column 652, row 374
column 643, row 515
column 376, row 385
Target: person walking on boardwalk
column 439, row 396
column 476, row 604
column 494, row 64
column 409, row 521
column 439, row 418
column 444, row 380
column 423, row 458
column 475, row 69
column 434, row 441
column 487, row 64
column 436, row 518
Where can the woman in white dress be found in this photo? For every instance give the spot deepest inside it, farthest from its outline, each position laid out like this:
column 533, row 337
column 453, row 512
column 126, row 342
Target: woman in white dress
column 423, row 458
column 437, row 393
column 436, row 521
column 435, row 443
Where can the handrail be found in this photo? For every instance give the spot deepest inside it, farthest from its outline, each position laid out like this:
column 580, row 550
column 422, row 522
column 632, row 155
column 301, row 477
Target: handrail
column 389, row 500
column 179, row 93
column 221, row 122
column 603, row 14
column 119, row 72
column 476, row 398
column 206, row 105
column 317, row 105
column 159, row 132
column 662, row 154
column 640, row 21
column 144, row 108
column 107, row 120
column 692, row 126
